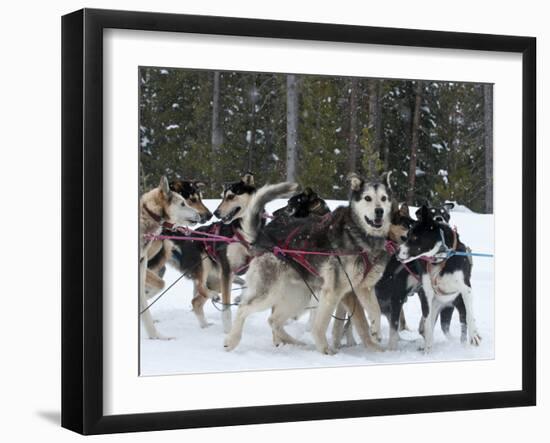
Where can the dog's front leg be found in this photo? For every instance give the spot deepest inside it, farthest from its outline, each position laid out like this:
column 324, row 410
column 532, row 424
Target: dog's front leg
column 370, row 303
column 200, row 296
column 338, row 326
column 226, row 280
column 328, row 300
column 396, row 313
column 359, row 321
column 475, row 338
column 432, row 314
column 145, row 313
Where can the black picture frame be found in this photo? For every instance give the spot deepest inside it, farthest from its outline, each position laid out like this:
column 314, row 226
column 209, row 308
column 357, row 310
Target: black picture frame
column 82, row 220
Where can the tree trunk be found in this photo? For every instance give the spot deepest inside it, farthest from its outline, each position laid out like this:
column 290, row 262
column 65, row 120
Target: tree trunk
column 251, row 135
column 414, row 143
column 488, row 142
column 375, row 122
column 291, row 126
column 353, row 136
column 217, row 134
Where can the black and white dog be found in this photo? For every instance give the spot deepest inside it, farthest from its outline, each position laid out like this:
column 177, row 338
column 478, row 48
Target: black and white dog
column 304, row 204
column 444, row 277
column 441, row 214
column 399, row 281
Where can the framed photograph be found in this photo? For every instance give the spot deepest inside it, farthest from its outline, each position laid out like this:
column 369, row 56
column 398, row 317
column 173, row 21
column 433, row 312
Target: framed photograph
column 269, row 221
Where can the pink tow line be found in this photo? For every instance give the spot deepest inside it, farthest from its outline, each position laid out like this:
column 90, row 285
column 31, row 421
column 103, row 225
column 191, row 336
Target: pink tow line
column 205, row 236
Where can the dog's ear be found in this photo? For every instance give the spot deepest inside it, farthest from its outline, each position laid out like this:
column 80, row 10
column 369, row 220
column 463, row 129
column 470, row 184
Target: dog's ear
column 425, row 214
column 448, row 206
column 176, row 186
column 394, row 211
column 164, row 186
column 404, row 210
column 308, row 191
column 422, row 213
column 355, row 182
column 248, row 179
column 385, row 178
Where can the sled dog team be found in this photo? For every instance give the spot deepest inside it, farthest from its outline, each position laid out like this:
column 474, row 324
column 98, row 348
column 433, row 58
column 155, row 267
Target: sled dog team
column 353, row 264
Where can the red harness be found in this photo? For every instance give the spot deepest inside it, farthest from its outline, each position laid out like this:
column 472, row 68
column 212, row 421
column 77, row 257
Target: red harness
column 159, row 219
column 210, row 247
column 299, row 256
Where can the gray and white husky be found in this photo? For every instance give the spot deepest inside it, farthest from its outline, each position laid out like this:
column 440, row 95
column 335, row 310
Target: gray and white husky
column 285, row 285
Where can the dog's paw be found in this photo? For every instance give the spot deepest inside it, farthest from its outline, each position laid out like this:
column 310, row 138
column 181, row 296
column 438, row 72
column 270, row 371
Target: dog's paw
column 327, row 350
column 161, row 337
column 376, row 337
column 205, row 324
column 475, row 339
column 426, row 350
column 230, row 343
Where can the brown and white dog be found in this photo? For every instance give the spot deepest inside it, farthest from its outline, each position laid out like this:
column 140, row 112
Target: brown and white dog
column 161, row 207
column 213, row 266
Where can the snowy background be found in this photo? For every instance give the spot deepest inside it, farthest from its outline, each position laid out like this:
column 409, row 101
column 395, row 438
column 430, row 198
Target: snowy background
column 193, row 350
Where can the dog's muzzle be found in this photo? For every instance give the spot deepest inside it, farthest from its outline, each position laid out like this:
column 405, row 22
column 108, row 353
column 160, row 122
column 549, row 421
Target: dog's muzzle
column 205, row 217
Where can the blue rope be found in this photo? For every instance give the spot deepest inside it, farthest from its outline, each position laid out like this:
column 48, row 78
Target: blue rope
column 450, row 252
column 475, row 254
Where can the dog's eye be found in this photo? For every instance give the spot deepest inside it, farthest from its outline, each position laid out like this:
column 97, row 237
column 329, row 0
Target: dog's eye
column 193, row 200
column 230, row 197
column 368, row 198
column 384, row 198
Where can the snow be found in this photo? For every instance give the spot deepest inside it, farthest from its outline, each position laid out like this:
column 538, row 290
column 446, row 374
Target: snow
column 420, row 172
column 170, row 127
column 460, row 208
column 444, row 174
column 195, row 350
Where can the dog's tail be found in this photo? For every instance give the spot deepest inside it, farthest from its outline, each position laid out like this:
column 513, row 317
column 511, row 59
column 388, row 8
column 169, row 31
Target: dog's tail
column 252, row 218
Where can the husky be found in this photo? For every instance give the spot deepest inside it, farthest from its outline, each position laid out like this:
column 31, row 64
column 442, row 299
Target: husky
column 286, row 281
column 160, row 251
column 213, row 266
column 398, row 281
column 441, row 214
column 308, row 203
column 445, row 277
column 160, row 208
column 303, row 204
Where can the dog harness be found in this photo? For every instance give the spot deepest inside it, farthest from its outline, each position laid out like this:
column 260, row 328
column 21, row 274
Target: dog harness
column 299, row 256
column 436, row 274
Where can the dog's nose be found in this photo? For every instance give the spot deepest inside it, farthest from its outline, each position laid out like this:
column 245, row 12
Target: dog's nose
column 206, row 217
column 403, row 238
column 217, row 213
column 378, row 212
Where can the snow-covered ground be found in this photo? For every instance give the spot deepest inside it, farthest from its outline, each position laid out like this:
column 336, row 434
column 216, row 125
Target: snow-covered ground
column 194, row 350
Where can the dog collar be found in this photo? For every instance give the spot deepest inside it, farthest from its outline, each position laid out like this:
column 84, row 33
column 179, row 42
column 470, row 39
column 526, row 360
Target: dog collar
column 159, row 219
